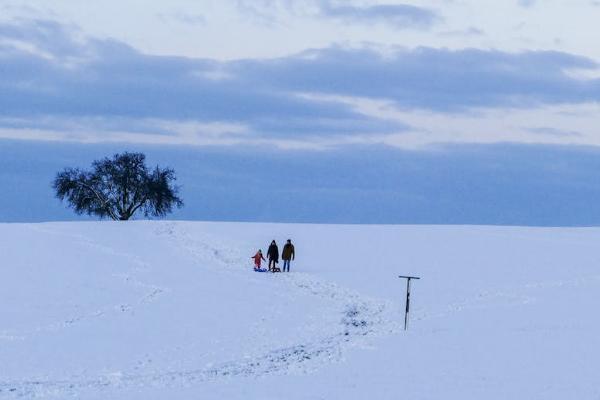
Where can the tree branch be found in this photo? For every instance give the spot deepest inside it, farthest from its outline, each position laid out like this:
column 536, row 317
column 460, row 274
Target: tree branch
column 138, row 206
column 100, row 198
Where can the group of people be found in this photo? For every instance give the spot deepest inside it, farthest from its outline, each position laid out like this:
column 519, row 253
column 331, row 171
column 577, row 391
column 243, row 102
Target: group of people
column 287, row 254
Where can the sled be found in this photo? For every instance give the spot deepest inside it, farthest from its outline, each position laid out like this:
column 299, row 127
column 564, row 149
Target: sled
column 260, row 270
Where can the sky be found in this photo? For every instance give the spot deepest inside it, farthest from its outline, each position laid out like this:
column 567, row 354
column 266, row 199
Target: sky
column 376, row 85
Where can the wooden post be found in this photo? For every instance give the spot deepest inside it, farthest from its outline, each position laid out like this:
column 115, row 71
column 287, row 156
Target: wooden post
column 408, row 278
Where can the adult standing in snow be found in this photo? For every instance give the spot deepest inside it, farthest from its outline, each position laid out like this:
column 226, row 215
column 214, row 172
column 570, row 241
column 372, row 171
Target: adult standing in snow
column 273, row 255
column 288, row 254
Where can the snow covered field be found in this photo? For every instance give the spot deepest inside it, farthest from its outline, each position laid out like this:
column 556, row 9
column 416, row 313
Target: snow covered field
column 173, row 310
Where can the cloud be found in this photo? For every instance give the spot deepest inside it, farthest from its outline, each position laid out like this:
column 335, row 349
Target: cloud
column 544, row 130
column 467, row 184
column 52, row 73
column 434, row 79
column 41, row 37
column 265, row 12
column 469, row 32
column 399, row 16
column 112, row 80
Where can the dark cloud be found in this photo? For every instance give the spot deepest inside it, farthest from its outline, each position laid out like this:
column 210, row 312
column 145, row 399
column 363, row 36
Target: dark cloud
column 111, row 79
column 48, row 36
column 399, row 16
column 47, row 69
column 435, row 79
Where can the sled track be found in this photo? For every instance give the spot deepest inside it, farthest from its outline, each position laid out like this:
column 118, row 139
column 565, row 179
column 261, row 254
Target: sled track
column 152, row 293
column 360, row 318
column 301, row 358
column 517, row 296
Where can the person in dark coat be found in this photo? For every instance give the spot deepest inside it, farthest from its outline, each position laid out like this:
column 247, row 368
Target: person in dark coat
column 273, row 255
column 288, row 254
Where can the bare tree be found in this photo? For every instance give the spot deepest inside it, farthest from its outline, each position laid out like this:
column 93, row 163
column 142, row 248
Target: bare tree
column 119, row 187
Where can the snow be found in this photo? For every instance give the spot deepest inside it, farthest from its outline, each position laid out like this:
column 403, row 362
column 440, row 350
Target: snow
column 154, row 310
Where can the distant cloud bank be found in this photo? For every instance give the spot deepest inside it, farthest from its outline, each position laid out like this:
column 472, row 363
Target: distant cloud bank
column 399, row 16
column 492, row 184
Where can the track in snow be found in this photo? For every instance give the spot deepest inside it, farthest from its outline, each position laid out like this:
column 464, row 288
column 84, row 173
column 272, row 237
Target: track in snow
column 359, row 318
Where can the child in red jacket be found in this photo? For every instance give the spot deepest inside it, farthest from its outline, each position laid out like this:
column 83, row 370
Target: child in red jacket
column 257, row 259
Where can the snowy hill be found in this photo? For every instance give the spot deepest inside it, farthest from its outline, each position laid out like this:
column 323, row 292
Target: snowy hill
column 157, row 310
